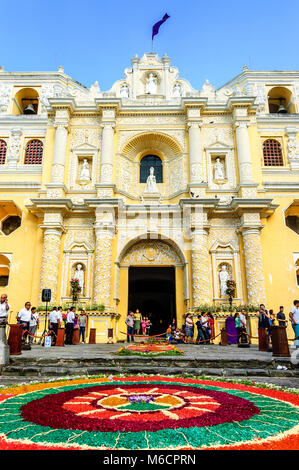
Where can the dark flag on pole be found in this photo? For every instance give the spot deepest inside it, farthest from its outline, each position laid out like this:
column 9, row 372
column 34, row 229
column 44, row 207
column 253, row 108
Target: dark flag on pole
column 156, row 26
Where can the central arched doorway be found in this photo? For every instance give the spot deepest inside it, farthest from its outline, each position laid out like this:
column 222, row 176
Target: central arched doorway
column 152, row 276
column 152, row 291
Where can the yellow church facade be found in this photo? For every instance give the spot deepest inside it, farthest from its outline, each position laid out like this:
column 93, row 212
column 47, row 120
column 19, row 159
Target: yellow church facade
column 152, row 194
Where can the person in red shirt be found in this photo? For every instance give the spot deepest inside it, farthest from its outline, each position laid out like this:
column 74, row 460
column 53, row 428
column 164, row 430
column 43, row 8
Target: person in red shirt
column 211, row 323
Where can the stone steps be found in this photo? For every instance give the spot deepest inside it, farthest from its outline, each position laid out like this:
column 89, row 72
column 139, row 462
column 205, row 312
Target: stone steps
column 54, row 371
column 43, row 367
column 170, row 361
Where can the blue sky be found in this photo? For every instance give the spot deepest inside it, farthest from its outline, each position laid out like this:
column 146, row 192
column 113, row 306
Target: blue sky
column 95, row 39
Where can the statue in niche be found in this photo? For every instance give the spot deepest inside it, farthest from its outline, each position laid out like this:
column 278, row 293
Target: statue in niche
column 151, row 185
column 124, row 91
column 79, row 274
column 223, row 278
column 151, row 85
column 218, row 170
column 85, row 174
column 177, row 90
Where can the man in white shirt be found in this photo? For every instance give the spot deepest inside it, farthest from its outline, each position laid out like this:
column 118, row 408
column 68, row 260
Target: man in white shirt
column 24, row 317
column 33, row 324
column 4, row 308
column 53, row 324
column 59, row 312
column 294, row 317
column 242, row 317
column 205, row 327
column 69, row 327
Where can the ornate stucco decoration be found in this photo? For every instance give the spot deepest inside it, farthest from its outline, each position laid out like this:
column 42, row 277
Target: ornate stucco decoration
column 151, row 253
column 293, row 148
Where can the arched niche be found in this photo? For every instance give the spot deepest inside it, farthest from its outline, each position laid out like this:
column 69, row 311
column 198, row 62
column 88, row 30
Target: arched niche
column 226, row 254
column 5, row 261
column 162, row 142
column 280, row 101
column 78, row 249
column 26, row 101
column 163, row 146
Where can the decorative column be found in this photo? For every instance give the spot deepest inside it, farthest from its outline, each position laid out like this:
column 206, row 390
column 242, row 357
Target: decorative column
column 254, row 265
column 166, row 65
column 195, row 156
column 107, row 153
column 59, row 154
column 50, row 261
column 135, row 63
column 243, row 149
column 201, row 282
column 103, row 264
column 56, row 189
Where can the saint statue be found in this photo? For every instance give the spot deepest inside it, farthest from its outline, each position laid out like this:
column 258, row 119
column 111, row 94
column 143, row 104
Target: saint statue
column 151, row 186
column 223, row 278
column 79, row 274
column 85, row 174
column 151, row 84
column 124, row 91
column 218, row 170
column 177, row 90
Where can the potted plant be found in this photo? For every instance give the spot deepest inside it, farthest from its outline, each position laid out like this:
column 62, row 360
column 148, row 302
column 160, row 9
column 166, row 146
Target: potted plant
column 75, row 289
column 230, row 291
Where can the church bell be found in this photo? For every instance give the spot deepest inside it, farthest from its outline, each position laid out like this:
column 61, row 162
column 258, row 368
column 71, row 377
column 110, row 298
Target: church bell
column 281, row 109
column 29, row 109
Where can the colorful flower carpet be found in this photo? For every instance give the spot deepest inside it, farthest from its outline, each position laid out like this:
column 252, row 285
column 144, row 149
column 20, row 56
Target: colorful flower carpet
column 150, row 350
column 150, row 412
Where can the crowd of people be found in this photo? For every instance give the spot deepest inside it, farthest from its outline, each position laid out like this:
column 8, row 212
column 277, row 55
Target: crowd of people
column 137, row 325
column 28, row 318
column 203, row 326
column 267, row 319
column 185, row 334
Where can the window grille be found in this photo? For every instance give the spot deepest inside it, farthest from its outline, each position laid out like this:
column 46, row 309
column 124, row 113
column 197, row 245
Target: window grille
column 272, row 153
column 3, row 148
column 34, row 152
column 146, row 163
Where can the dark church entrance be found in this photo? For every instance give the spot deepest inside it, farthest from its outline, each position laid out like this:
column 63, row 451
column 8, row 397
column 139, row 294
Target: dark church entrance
column 152, row 291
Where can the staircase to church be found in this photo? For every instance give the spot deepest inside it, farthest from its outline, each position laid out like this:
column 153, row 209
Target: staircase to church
column 223, row 367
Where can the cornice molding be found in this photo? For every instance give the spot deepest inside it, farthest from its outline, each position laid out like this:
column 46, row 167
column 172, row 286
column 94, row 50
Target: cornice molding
column 279, row 186
column 19, row 186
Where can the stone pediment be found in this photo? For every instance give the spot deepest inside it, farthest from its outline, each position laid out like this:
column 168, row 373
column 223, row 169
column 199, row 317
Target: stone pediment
column 85, row 147
column 151, row 59
column 219, row 145
column 220, row 246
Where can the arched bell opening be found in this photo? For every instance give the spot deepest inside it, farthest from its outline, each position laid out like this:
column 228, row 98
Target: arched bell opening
column 26, row 102
column 280, row 101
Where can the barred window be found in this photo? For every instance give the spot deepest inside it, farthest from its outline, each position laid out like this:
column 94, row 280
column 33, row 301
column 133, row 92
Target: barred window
column 146, row 163
column 272, row 153
column 34, row 152
column 3, row 148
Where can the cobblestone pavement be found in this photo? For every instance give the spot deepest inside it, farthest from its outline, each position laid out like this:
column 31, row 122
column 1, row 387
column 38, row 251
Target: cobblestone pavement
column 192, row 351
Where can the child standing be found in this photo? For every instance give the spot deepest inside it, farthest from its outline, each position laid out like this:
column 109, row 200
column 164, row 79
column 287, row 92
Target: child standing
column 143, row 325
